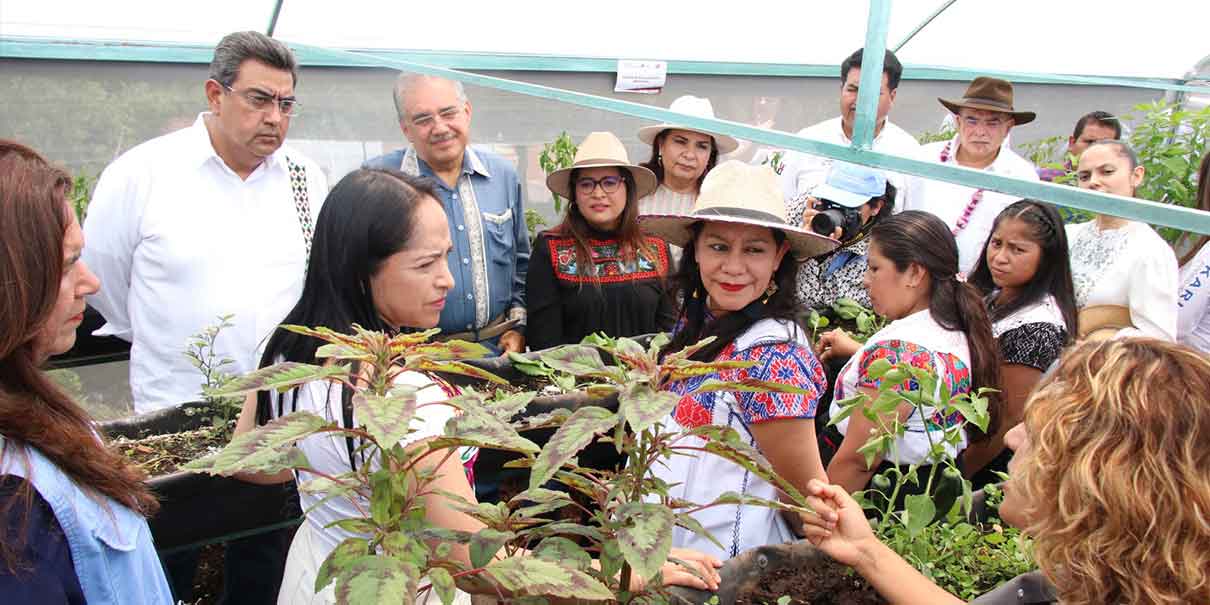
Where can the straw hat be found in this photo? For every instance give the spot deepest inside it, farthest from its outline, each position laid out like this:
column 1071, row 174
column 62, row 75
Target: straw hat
column 990, row 94
column 698, row 107
column 735, row 192
column 600, row 150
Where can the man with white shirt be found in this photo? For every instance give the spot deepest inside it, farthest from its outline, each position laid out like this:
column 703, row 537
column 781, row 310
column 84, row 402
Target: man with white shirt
column 209, row 220
column 984, row 116
column 800, row 172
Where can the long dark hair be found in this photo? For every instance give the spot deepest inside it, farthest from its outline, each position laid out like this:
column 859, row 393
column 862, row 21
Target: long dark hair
column 655, row 165
column 1054, row 266
column 916, row 237
column 1203, row 204
column 630, row 237
column 690, row 290
column 34, row 412
column 367, row 217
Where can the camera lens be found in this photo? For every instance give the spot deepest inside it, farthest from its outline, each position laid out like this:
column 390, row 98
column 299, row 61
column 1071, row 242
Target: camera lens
column 826, row 222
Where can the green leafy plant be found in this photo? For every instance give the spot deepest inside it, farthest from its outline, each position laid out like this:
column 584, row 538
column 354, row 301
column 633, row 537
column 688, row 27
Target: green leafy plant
column 533, row 222
column 932, row 530
column 203, row 354
column 929, row 136
column 1170, row 143
column 518, row 555
column 81, row 191
column 557, row 155
column 865, row 321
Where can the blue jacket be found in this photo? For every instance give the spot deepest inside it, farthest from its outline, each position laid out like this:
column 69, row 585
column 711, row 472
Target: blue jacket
column 111, row 547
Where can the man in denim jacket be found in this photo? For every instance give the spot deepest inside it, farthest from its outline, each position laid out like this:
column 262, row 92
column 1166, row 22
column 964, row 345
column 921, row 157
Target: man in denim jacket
column 482, row 198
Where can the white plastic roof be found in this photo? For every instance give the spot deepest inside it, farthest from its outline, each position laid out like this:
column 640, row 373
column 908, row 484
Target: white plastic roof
column 1156, row 38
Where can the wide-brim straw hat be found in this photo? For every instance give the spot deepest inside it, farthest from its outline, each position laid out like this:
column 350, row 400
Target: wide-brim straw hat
column 989, row 94
column 602, row 150
column 738, row 193
column 697, row 107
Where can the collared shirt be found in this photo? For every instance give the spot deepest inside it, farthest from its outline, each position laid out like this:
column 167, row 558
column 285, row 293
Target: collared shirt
column 949, row 200
column 802, row 172
column 487, row 226
column 177, row 239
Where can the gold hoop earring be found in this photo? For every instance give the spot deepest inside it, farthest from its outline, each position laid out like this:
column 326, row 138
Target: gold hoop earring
column 770, row 291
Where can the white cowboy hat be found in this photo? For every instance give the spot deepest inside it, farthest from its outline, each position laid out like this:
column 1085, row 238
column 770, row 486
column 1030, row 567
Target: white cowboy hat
column 695, row 106
column 735, row 192
column 601, row 150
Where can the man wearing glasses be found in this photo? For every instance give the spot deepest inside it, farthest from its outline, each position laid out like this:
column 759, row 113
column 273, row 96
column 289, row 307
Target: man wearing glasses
column 210, row 220
column 984, row 116
column 482, row 198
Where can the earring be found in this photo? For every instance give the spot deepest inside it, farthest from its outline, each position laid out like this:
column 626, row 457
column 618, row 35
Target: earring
column 770, row 291
column 695, row 293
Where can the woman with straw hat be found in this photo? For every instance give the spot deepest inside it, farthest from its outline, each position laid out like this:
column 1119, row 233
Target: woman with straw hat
column 737, row 283
column 681, row 157
column 596, row 272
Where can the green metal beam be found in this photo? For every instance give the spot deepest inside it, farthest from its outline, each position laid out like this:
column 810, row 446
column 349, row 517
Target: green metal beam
column 154, row 52
column 870, row 86
column 923, row 24
column 273, row 18
column 1141, row 210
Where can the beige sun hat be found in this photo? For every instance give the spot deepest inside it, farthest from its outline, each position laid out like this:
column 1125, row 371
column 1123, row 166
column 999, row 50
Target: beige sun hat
column 602, row 150
column 698, row 107
column 735, row 192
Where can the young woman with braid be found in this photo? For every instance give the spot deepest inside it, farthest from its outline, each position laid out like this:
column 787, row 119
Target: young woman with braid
column 1026, row 274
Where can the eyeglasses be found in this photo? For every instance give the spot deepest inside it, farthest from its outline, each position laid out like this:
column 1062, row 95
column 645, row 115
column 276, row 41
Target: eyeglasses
column 609, row 184
column 259, row 101
column 426, row 120
column 992, row 123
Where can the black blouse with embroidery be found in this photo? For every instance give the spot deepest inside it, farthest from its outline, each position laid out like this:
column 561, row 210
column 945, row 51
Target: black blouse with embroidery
column 1036, row 345
column 616, row 297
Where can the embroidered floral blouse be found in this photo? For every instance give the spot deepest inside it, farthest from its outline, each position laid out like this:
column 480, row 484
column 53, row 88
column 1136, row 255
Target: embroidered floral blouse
column 615, row 296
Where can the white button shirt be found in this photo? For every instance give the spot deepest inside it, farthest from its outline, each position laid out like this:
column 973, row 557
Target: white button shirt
column 177, row 239
column 802, row 172
column 947, row 201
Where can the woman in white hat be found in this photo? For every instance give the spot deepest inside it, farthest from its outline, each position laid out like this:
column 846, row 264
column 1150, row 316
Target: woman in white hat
column 681, row 157
column 595, row 271
column 737, row 283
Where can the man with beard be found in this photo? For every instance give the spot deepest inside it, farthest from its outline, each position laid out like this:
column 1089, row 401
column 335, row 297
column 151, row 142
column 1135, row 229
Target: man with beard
column 481, row 195
column 210, row 220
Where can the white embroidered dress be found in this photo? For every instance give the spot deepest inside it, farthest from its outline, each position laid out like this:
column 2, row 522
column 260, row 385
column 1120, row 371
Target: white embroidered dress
column 1129, row 266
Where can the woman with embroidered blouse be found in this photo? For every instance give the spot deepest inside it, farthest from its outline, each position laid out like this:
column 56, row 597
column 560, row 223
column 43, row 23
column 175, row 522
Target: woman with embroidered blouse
column 1026, row 273
column 596, row 271
column 737, row 283
column 937, row 323
column 1125, row 274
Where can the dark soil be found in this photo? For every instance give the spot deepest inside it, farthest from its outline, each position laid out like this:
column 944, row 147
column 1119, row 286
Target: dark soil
column 829, row 584
column 164, row 454
column 208, row 583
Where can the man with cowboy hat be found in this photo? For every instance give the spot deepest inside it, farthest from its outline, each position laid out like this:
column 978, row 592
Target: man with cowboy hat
column 984, row 115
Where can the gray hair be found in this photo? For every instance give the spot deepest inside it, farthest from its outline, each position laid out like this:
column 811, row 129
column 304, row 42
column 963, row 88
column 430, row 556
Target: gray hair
column 238, row 47
column 407, row 81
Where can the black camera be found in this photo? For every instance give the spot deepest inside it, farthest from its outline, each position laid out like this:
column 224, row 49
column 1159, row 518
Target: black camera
column 832, row 215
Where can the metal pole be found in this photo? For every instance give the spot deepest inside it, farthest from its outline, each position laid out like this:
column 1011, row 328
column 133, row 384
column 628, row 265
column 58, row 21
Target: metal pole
column 273, row 19
column 872, row 57
column 923, row 24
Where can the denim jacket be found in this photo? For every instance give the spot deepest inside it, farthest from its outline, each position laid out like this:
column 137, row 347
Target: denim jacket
column 111, row 547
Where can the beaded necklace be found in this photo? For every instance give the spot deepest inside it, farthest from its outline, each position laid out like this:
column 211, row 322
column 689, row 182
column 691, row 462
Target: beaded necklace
column 976, row 197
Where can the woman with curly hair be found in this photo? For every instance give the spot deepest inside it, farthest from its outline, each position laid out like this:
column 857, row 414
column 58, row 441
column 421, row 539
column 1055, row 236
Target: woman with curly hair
column 1110, row 478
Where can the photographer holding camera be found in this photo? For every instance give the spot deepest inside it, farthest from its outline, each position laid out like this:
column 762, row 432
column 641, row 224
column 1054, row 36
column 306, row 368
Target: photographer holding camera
column 845, row 207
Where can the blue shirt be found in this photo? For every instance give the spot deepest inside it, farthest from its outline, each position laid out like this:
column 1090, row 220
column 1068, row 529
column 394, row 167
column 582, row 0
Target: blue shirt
column 487, row 226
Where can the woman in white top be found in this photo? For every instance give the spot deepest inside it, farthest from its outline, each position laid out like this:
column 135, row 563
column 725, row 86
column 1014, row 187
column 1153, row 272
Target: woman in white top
column 737, row 281
column 1125, row 274
column 1193, row 299
column 378, row 260
column 680, row 158
column 938, row 323
column 1026, row 273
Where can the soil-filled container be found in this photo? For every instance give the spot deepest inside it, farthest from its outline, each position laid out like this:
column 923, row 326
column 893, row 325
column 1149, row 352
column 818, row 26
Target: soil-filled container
column 197, row 508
